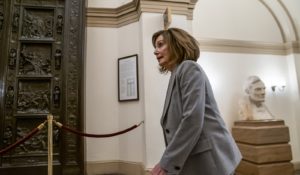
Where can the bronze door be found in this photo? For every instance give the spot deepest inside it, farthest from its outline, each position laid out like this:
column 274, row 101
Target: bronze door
column 41, row 60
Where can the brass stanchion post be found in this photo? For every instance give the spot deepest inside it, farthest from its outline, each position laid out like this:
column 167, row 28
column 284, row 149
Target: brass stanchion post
column 50, row 144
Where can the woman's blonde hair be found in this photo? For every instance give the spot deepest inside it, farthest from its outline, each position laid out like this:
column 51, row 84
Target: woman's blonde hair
column 182, row 46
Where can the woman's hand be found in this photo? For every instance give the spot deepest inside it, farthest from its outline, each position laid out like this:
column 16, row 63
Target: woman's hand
column 157, row 170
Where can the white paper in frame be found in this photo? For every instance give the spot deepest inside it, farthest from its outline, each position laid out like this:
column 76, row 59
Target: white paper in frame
column 128, row 86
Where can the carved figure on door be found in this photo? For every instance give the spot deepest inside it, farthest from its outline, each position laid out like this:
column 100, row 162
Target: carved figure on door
column 15, row 23
column 1, row 20
column 12, row 58
column 10, row 96
column 59, row 24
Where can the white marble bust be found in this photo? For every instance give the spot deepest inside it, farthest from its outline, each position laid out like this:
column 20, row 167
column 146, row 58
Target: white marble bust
column 252, row 106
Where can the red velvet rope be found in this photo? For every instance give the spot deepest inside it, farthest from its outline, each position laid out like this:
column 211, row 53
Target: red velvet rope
column 37, row 129
column 28, row 136
column 99, row 135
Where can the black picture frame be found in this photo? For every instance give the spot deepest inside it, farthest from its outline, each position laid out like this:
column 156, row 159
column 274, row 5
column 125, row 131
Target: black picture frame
column 128, row 80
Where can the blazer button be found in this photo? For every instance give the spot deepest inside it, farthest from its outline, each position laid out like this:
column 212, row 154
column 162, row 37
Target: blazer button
column 167, row 131
column 177, row 168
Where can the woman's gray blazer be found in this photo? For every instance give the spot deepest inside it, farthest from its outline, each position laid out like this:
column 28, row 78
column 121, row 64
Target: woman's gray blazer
column 197, row 141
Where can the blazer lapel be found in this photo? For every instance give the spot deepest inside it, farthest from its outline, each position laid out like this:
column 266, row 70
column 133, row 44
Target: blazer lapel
column 168, row 96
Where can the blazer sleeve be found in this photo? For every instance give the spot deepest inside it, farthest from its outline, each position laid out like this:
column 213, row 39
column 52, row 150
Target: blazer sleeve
column 191, row 81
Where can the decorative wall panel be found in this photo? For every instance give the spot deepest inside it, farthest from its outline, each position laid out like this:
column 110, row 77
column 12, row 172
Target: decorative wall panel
column 41, row 75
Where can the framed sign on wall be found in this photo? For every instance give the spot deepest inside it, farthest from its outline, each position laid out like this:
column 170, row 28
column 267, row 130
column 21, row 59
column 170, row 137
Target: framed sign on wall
column 128, row 85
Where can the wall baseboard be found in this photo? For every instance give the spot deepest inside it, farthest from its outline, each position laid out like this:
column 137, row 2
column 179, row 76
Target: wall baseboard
column 116, row 166
column 296, row 166
column 124, row 167
column 147, row 171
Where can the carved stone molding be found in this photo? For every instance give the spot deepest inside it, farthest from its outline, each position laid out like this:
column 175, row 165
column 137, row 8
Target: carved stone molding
column 287, row 12
column 179, row 7
column 130, row 12
column 239, row 46
column 116, row 17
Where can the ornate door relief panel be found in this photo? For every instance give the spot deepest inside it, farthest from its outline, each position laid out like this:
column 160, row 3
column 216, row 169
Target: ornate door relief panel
column 41, row 73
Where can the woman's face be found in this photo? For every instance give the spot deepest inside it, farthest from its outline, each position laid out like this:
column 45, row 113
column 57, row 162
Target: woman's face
column 161, row 51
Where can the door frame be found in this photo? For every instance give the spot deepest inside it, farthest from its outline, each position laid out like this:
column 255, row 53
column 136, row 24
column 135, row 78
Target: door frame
column 72, row 161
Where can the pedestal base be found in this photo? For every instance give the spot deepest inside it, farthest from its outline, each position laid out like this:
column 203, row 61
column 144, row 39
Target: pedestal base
column 248, row 168
column 266, row 153
column 264, row 147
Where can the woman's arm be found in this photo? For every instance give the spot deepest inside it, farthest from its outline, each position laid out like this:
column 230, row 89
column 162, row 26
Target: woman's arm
column 191, row 81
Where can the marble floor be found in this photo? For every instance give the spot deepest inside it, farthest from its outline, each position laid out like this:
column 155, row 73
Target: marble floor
column 297, row 173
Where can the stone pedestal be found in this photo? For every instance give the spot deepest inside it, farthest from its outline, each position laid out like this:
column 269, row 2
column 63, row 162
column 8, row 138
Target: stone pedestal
column 264, row 146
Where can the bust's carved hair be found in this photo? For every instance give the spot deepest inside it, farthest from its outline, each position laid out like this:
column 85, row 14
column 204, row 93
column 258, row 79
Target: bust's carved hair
column 251, row 80
column 182, row 46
